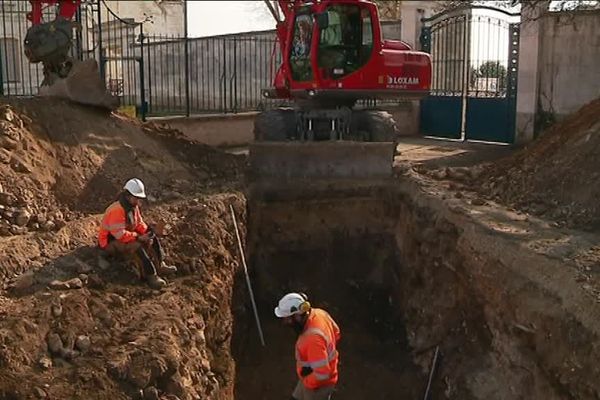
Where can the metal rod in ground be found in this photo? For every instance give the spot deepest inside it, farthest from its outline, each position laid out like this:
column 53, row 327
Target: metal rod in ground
column 237, row 234
column 431, row 372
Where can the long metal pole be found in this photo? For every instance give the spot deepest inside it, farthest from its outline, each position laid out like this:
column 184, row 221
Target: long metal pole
column 431, row 372
column 237, row 234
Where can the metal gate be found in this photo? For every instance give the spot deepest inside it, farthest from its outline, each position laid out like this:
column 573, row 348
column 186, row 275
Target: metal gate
column 474, row 84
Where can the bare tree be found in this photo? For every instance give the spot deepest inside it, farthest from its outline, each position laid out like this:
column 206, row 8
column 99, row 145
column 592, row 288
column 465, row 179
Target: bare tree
column 554, row 5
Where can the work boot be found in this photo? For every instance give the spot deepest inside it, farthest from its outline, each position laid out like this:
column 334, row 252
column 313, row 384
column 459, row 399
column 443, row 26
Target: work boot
column 156, row 282
column 167, row 269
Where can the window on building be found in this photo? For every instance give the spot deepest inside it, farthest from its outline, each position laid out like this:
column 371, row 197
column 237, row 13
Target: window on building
column 10, row 59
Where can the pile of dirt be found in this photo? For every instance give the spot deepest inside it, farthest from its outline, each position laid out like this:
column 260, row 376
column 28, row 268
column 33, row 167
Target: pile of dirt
column 58, row 156
column 72, row 326
column 107, row 336
column 556, row 177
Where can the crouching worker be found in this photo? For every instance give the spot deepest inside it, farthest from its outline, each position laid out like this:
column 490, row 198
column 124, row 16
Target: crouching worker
column 124, row 232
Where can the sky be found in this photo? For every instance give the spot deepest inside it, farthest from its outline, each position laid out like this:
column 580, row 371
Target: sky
column 207, row 18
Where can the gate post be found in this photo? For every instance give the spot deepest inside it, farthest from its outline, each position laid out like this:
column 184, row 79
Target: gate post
column 412, row 13
column 513, row 75
column 187, row 60
column 223, row 80
column 1, row 76
column 425, row 39
column 527, row 98
column 142, row 77
column 100, row 49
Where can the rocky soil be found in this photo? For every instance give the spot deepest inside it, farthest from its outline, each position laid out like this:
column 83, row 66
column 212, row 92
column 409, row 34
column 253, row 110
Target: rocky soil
column 72, row 326
column 556, row 177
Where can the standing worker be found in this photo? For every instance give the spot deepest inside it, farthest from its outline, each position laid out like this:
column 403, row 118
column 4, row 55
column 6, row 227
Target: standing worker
column 124, row 232
column 316, row 353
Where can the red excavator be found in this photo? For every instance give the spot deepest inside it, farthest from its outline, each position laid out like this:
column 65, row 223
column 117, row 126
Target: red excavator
column 50, row 43
column 334, row 55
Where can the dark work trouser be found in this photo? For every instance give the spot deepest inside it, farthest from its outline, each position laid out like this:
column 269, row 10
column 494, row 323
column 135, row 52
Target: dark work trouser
column 145, row 258
column 145, row 255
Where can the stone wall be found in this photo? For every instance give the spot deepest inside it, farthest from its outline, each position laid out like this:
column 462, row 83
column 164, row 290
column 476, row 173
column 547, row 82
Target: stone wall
column 569, row 62
column 558, row 67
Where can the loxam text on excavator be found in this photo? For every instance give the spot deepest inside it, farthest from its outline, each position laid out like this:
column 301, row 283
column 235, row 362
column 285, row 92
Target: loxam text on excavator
column 333, row 56
column 50, row 42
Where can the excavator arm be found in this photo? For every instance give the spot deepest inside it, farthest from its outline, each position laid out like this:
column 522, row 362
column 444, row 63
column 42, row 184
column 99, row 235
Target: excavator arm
column 67, row 9
column 50, row 43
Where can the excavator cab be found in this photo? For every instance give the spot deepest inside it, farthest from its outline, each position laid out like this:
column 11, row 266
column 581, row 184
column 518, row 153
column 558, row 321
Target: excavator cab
column 334, row 57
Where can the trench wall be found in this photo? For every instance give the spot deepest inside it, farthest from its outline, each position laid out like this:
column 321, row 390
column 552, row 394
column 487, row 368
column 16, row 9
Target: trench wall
column 418, row 274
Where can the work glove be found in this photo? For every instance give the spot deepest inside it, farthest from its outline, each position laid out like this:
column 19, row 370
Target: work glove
column 306, row 371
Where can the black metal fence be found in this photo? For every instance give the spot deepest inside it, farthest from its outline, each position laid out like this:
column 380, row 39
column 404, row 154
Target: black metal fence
column 155, row 75
column 223, row 74
column 102, row 36
column 17, row 76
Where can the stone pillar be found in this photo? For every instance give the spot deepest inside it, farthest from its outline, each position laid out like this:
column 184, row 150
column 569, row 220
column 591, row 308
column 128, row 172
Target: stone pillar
column 411, row 13
column 528, row 75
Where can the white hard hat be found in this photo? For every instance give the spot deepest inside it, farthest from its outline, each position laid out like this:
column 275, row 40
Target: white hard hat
column 292, row 303
column 135, row 187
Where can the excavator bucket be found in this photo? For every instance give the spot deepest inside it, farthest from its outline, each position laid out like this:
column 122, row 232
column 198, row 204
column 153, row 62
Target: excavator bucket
column 83, row 85
column 318, row 161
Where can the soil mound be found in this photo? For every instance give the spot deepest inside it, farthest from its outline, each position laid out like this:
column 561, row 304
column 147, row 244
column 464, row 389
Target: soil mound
column 72, row 327
column 53, row 153
column 556, row 177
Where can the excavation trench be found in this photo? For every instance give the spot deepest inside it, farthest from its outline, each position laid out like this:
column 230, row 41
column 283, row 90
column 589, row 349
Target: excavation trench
column 402, row 275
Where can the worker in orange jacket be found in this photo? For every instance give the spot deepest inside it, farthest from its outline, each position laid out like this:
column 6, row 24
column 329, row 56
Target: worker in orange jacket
column 124, row 232
column 316, row 346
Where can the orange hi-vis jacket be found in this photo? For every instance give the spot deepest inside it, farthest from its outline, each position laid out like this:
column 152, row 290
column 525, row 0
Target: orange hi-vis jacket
column 316, row 348
column 121, row 226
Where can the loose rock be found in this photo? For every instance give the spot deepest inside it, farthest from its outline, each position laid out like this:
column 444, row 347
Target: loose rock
column 40, row 393
column 56, row 310
column 55, row 345
column 151, row 393
column 83, row 343
column 7, row 199
column 22, row 218
column 59, row 285
column 45, row 363
column 24, row 282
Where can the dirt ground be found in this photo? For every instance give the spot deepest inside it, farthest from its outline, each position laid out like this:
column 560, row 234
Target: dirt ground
column 407, row 269
column 317, row 247
column 73, row 327
column 543, row 194
column 555, row 177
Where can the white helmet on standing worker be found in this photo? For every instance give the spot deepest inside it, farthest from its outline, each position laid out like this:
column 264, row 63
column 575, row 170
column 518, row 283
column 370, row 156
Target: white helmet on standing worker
column 292, row 303
column 135, row 187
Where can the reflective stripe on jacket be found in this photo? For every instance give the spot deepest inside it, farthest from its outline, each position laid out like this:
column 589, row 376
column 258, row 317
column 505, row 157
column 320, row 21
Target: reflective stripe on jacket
column 120, row 226
column 316, row 348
